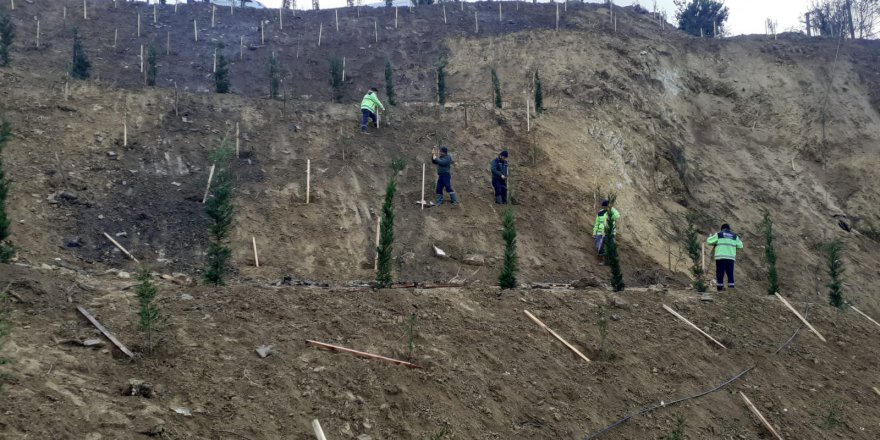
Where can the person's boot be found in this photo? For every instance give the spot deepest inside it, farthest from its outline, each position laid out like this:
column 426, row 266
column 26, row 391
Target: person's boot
column 601, row 260
column 454, row 198
column 499, row 200
column 439, row 199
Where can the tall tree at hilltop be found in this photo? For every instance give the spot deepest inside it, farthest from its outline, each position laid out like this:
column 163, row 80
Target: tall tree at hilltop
column 702, row 17
column 7, row 34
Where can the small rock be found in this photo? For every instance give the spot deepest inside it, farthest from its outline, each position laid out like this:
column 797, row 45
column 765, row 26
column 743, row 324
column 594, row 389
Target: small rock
column 73, row 242
column 93, row 342
column 265, row 350
column 123, row 275
column 615, row 317
column 619, row 302
column 112, row 155
column 587, row 282
column 474, row 260
column 137, row 387
column 68, row 196
column 182, row 411
column 186, row 297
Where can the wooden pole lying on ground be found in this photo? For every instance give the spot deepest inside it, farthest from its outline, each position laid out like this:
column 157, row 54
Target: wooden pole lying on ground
column 810, row 326
column 866, row 316
column 378, row 227
column 256, row 258
column 308, row 179
column 423, row 202
column 360, row 353
column 668, row 309
column 760, row 416
column 119, row 246
column 208, row 188
column 319, row 433
column 106, row 332
column 544, row 326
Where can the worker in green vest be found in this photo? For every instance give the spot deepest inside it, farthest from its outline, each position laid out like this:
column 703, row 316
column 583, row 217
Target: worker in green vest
column 368, row 109
column 726, row 244
column 600, row 232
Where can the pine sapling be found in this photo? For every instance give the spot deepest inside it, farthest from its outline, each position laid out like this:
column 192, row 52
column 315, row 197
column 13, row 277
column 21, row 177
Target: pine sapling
column 150, row 317
column 611, row 254
column 389, row 83
column 221, row 212
column 6, row 249
column 770, row 253
column 221, row 75
column 507, row 277
column 496, row 87
column 386, row 234
column 694, row 250
column 539, row 94
column 441, row 80
column 274, row 77
column 336, row 79
column 152, row 66
column 7, row 34
column 80, row 68
column 834, row 255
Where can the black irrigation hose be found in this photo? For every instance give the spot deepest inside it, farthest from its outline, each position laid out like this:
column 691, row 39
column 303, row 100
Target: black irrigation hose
column 662, row 404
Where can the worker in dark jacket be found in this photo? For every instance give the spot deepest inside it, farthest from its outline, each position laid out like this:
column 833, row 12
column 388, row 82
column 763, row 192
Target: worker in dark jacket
column 444, row 174
column 726, row 244
column 499, row 177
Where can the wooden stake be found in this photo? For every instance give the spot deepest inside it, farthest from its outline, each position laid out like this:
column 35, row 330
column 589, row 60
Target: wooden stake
column 343, row 69
column 337, row 19
column 237, row 141
column 262, row 33
column 360, row 353
column 476, row 23
column 378, row 227
column 866, row 316
column 115, row 36
column 176, row 107
column 876, row 390
column 528, row 115
column 544, row 326
column 215, row 60
column 142, row 58
column 106, row 332
column 85, row 11
column 139, row 25
column 281, row 18
column 376, row 29
column 760, row 416
column 319, row 433
column 213, row 14
column 196, row 30
column 155, row 14
column 12, row 8
column 168, row 43
column 119, row 246
column 320, row 31
column 308, row 179
column 813, row 329
column 125, row 131
column 557, row 17
column 256, row 257
column 208, row 188
column 175, row 6
column 703, row 256
column 38, row 34
column 423, row 202
column 499, row 12
column 64, row 13
column 668, row 309
column 395, row 17
column 444, row 12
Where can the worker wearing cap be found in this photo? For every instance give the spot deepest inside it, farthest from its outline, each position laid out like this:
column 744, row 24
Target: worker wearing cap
column 601, row 234
column 444, row 174
column 725, row 243
column 368, row 109
column 499, row 177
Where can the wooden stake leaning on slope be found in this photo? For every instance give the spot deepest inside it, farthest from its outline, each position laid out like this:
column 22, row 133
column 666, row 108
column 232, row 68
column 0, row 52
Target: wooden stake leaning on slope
column 668, row 309
column 360, row 353
column 208, row 188
column 378, row 229
column 319, row 433
column 256, row 257
column 119, row 246
column 544, row 326
column 760, row 416
column 308, row 179
column 106, row 332
column 810, row 326
column 866, row 316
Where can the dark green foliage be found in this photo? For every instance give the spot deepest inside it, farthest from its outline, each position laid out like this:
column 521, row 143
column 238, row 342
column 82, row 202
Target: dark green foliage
column 695, row 251
column 389, row 3
column 152, row 66
column 150, row 317
column 701, row 17
column 389, row 83
column 770, row 253
column 507, row 278
column 221, row 76
column 611, row 255
column 7, row 34
column 441, row 80
column 496, row 88
column 441, row 434
column 80, row 68
column 386, row 235
column 336, row 79
column 274, row 77
column 833, row 418
column 539, row 94
column 6, row 250
column 678, row 432
column 221, row 211
column 834, row 255
column 421, row 2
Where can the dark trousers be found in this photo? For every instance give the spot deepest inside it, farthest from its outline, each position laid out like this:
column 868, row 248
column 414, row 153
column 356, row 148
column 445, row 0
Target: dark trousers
column 444, row 181
column 367, row 115
column 500, row 187
column 724, row 267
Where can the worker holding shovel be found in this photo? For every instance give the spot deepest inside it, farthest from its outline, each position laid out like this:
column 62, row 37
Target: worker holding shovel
column 368, row 109
column 444, row 174
column 600, row 232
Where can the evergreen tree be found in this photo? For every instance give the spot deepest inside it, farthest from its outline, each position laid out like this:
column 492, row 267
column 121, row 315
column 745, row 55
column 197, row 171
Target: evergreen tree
column 770, row 254
column 702, row 17
column 386, row 235
column 539, row 94
column 152, row 66
column 6, row 250
column 221, row 211
column 834, row 255
column 148, row 312
column 336, row 79
column 507, row 277
column 81, row 68
column 389, row 83
column 694, row 250
column 274, row 76
column 441, row 80
column 7, row 34
column 221, row 76
column 611, row 255
column 496, row 87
